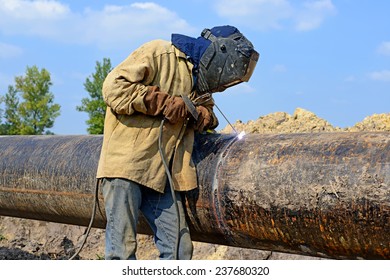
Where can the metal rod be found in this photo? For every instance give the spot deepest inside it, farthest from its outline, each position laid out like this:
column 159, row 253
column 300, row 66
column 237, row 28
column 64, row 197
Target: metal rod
column 223, row 115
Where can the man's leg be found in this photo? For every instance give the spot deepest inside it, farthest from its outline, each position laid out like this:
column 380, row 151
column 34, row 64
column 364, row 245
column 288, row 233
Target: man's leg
column 160, row 213
column 122, row 200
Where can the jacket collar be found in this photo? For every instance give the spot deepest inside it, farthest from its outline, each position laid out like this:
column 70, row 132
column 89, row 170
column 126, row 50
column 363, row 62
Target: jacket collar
column 193, row 48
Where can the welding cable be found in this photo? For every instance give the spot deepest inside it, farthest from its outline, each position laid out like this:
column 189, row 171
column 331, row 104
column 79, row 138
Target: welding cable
column 95, row 205
column 168, row 172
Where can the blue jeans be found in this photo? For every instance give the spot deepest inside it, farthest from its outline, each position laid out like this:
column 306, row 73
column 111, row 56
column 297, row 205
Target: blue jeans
column 124, row 200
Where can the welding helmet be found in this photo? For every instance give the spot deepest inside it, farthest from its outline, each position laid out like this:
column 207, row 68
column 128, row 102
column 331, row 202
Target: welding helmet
column 229, row 60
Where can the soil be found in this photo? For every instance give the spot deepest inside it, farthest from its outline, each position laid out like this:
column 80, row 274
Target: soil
column 23, row 239
column 303, row 121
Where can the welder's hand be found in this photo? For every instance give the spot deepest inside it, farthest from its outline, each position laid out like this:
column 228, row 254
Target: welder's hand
column 175, row 109
column 204, row 120
column 161, row 103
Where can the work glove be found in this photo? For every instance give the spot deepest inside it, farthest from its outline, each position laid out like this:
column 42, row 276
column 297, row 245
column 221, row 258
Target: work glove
column 204, row 119
column 171, row 107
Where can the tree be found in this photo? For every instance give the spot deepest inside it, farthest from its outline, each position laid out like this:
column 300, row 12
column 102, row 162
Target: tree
column 95, row 105
column 2, row 126
column 12, row 119
column 36, row 111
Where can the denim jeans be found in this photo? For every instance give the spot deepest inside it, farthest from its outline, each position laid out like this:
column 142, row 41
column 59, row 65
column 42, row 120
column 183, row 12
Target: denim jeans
column 124, row 200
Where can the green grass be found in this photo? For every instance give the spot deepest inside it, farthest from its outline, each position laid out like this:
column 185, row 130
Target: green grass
column 2, row 237
column 99, row 257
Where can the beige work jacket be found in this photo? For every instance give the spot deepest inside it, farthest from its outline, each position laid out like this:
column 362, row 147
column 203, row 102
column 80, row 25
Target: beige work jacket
column 130, row 145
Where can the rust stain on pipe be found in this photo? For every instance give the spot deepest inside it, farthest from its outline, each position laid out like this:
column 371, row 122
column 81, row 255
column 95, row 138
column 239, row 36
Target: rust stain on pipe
column 325, row 194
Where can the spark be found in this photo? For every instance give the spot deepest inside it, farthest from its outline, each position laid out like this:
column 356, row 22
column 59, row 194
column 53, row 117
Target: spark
column 241, row 135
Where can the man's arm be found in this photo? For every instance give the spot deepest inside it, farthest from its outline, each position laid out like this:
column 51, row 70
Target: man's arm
column 124, row 88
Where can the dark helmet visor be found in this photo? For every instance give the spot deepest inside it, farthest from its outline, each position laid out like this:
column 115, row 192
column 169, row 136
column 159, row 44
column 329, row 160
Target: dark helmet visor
column 254, row 57
column 252, row 65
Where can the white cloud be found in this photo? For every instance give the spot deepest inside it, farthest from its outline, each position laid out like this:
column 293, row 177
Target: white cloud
column 29, row 18
column 384, row 48
column 380, row 76
column 121, row 24
column 313, row 13
column 39, row 17
column 279, row 68
column 350, row 78
column 9, row 51
column 276, row 14
column 113, row 26
column 260, row 14
column 39, row 9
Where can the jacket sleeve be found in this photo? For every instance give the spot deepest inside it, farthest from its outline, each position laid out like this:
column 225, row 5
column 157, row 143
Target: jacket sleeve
column 126, row 85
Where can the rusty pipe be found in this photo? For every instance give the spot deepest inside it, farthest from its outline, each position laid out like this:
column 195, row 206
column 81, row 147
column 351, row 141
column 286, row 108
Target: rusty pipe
column 325, row 194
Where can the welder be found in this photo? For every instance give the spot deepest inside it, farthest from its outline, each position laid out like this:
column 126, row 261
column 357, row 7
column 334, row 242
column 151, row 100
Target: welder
column 145, row 161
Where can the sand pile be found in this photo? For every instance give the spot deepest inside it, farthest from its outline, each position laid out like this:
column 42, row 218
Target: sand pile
column 306, row 121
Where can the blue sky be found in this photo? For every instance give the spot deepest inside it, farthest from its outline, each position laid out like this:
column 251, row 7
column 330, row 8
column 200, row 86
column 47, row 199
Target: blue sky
column 331, row 57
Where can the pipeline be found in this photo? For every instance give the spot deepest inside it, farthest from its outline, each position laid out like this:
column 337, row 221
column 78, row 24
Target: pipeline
column 323, row 194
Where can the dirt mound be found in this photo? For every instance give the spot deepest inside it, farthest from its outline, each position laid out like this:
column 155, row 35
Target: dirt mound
column 281, row 122
column 28, row 239
column 306, row 121
column 376, row 122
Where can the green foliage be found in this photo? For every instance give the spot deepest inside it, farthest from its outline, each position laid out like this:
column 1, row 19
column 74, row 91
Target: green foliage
column 95, row 105
column 36, row 111
column 2, row 126
column 13, row 121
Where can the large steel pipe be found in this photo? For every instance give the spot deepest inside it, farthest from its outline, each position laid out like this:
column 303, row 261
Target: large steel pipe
column 325, row 194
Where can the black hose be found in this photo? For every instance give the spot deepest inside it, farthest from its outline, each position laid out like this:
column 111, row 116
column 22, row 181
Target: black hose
column 95, row 204
column 168, row 172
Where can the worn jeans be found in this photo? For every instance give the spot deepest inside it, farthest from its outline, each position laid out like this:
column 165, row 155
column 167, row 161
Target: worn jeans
column 124, row 200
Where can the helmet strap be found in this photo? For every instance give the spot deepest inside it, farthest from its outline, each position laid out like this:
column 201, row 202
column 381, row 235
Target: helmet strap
column 206, row 33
